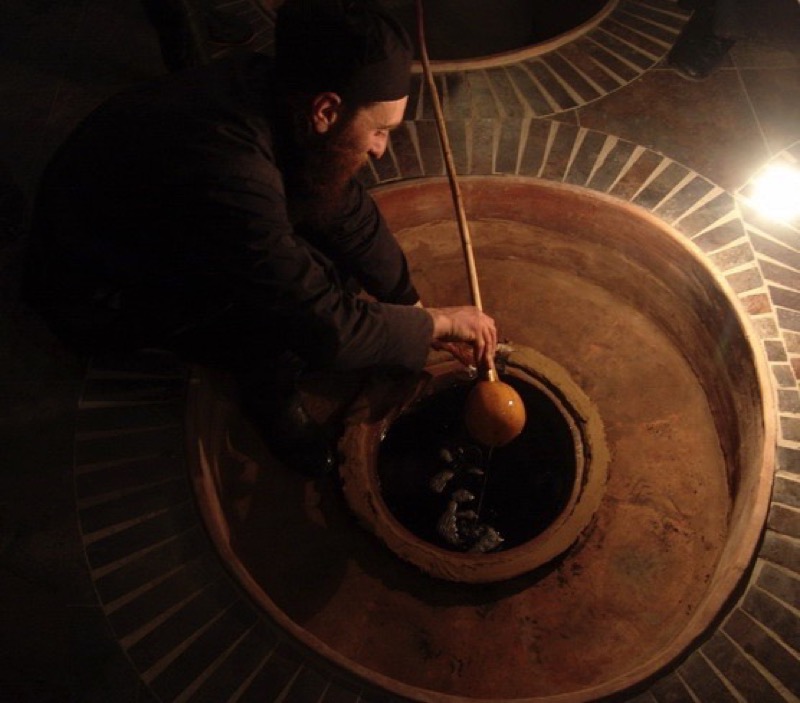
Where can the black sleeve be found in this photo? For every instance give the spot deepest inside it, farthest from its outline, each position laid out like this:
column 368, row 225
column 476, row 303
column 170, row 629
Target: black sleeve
column 363, row 247
column 297, row 288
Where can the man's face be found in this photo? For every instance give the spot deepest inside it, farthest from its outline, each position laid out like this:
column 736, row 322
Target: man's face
column 335, row 155
column 353, row 139
column 371, row 126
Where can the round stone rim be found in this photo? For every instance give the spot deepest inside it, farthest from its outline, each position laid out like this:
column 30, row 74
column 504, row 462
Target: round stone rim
column 360, row 444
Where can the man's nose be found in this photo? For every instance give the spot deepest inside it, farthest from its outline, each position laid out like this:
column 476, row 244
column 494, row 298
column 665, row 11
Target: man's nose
column 378, row 146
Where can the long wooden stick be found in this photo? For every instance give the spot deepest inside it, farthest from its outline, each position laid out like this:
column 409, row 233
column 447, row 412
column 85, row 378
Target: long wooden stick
column 463, row 227
column 458, row 202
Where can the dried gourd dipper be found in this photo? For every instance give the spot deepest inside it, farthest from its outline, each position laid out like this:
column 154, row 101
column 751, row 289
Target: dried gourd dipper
column 494, row 412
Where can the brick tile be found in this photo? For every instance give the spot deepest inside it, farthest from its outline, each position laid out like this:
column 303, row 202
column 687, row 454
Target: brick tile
column 213, row 642
column 792, row 340
column 755, row 641
column 670, row 689
column 586, row 158
column 560, row 152
column 535, row 146
column 737, row 255
column 757, row 304
column 482, row 161
column 721, row 236
column 616, row 51
column 509, row 101
column 242, row 662
column 650, row 21
column 784, row 520
column 182, row 624
column 773, row 615
column 625, row 30
column 607, row 173
column 483, row 100
column 341, row 692
column 781, row 232
column 790, row 428
column 576, row 54
column 774, row 273
column 129, row 475
column 784, row 375
column 682, row 201
column 788, row 401
column 165, row 443
column 544, row 74
column 430, row 148
column 719, row 208
column 774, row 250
column 142, row 535
column 785, row 298
column 456, row 95
column 144, row 569
column 746, row 280
column 663, row 184
column 508, row 145
column 558, row 63
column 788, row 319
column 165, row 594
column 135, row 505
column 637, row 174
column 275, row 675
column 704, row 682
column 786, row 491
column 645, row 697
column 308, row 687
column 775, row 350
column 780, row 584
column 530, row 90
column 592, row 47
column 740, row 672
column 664, row 12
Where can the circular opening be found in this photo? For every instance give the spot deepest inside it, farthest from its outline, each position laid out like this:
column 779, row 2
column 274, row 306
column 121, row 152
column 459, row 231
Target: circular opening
column 469, row 29
column 448, row 490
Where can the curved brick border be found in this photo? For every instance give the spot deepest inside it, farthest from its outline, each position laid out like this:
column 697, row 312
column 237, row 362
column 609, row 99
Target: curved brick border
column 634, row 37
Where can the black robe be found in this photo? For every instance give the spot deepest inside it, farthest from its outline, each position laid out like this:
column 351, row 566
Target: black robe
column 165, row 217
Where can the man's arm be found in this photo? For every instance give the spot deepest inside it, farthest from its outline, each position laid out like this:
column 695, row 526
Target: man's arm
column 363, row 247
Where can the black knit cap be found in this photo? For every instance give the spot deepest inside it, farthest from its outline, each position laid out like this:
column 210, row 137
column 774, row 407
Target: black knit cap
column 349, row 47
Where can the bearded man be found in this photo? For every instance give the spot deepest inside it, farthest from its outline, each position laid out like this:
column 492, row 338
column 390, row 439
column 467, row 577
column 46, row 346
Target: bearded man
column 216, row 213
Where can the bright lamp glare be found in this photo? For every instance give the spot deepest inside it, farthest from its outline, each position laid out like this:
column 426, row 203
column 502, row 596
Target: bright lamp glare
column 776, row 192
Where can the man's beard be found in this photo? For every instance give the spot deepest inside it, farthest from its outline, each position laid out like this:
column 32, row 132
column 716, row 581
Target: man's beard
column 327, row 165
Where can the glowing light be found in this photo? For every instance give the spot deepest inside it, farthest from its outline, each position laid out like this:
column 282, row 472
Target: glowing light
column 776, row 192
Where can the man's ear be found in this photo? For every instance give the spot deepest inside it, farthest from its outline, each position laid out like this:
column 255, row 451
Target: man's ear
column 326, row 109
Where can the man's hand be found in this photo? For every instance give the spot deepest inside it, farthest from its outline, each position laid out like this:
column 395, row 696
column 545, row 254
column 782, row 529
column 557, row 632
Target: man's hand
column 453, row 327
